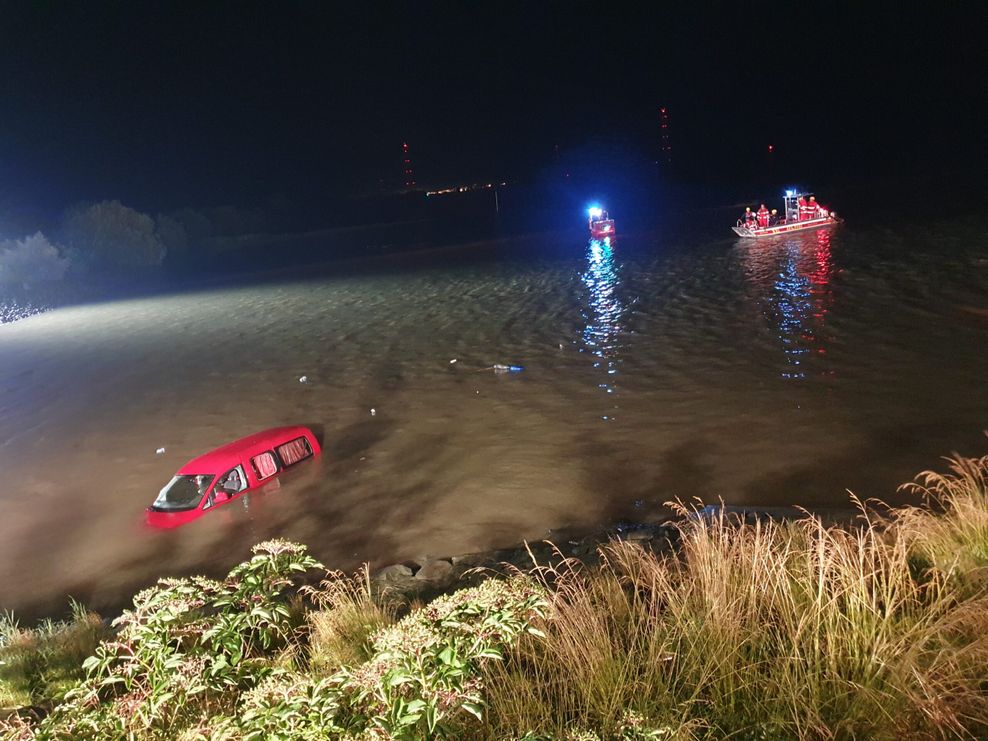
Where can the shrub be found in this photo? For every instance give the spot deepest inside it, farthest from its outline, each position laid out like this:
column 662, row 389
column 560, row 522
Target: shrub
column 422, row 679
column 173, row 236
column 109, row 234
column 11, row 309
column 195, row 224
column 30, row 260
column 185, row 650
column 287, row 706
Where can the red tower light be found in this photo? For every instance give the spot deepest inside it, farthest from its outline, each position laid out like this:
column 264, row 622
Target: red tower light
column 666, row 144
column 407, row 167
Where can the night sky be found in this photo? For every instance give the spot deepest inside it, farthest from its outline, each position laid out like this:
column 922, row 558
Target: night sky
column 165, row 105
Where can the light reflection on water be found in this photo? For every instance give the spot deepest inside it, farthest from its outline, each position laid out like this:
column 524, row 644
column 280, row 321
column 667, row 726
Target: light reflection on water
column 604, row 312
column 799, row 296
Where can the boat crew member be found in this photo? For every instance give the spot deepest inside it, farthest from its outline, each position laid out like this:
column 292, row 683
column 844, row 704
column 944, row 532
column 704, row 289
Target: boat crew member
column 803, row 208
column 814, row 208
column 773, row 218
column 749, row 217
column 762, row 216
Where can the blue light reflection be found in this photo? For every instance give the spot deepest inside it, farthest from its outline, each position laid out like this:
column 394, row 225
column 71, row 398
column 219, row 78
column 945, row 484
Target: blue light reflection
column 604, row 310
column 798, row 274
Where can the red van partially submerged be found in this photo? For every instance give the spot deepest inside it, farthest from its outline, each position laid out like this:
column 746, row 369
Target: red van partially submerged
column 229, row 471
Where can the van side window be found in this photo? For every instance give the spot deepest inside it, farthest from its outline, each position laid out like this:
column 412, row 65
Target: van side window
column 264, row 465
column 232, row 482
column 294, row 451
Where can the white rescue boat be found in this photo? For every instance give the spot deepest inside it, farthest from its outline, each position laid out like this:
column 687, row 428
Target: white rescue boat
column 797, row 219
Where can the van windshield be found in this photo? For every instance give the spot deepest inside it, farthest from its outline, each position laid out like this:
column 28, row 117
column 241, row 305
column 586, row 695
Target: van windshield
column 182, row 493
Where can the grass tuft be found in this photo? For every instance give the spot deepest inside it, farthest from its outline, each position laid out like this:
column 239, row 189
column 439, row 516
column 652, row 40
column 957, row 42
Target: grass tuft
column 40, row 664
column 348, row 616
column 954, row 541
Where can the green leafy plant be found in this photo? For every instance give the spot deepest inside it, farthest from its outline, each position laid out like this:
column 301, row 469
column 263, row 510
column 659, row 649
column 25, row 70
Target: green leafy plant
column 422, row 679
column 185, row 649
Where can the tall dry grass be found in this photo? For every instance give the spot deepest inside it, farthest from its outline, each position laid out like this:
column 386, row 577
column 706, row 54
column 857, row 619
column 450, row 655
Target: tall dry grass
column 954, row 544
column 766, row 630
column 349, row 612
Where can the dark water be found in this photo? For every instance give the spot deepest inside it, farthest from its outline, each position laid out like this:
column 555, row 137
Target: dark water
column 676, row 363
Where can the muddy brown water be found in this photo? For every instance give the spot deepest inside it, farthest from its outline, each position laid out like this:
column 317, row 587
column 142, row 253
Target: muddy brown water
column 777, row 373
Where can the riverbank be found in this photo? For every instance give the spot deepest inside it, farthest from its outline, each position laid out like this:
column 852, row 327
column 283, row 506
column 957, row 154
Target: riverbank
column 20, row 303
column 709, row 626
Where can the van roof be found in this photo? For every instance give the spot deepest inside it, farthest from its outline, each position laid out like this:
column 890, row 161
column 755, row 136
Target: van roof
column 227, row 456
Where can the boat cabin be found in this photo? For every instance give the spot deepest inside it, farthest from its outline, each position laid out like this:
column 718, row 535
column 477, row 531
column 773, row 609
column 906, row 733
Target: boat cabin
column 600, row 223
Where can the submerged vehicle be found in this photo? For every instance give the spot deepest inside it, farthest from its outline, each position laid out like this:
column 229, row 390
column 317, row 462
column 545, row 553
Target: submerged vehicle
column 228, row 472
column 601, row 225
column 800, row 215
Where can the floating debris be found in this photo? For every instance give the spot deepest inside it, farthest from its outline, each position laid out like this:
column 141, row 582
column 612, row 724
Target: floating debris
column 497, row 368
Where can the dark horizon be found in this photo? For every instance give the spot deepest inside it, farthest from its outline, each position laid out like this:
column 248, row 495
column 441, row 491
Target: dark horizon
column 170, row 106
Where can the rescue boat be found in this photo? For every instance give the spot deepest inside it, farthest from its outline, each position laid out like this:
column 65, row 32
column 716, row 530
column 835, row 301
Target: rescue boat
column 600, row 224
column 791, row 222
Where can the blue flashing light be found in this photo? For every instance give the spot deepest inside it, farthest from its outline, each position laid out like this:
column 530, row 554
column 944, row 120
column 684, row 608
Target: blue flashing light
column 790, row 193
column 595, row 212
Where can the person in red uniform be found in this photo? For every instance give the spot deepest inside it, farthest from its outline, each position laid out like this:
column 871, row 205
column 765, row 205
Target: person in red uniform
column 749, row 217
column 803, row 208
column 762, row 216
column 814, row 208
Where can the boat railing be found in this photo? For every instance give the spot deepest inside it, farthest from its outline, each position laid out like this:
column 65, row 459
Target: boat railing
column 754, row 227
